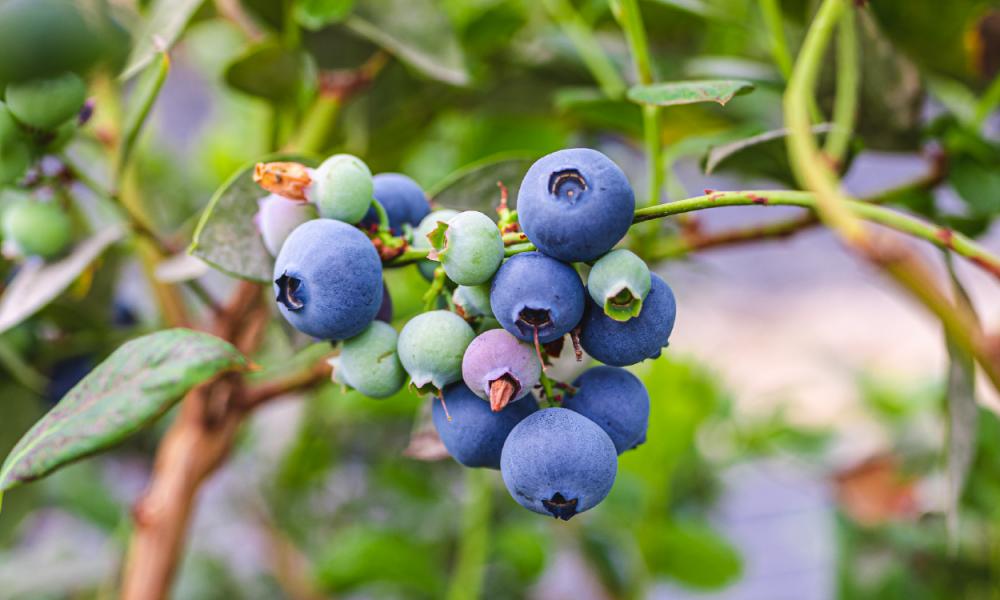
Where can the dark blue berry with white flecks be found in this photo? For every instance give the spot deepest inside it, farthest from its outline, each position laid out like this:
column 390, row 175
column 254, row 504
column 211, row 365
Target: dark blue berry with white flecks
column 532, row 291
column 401, row 197
column 557, row 462
column 475, row 434
column 328, row 280
column 627, row 343
column 575, row 204
column 614, row 399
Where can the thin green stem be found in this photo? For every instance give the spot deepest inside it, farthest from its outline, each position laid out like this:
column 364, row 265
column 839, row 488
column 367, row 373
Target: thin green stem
column 773, row 20
column 148, row 91
column 383, row 217
column 845, row 108
column 473, row 543
column 437, row 285
column 630, row 18
column 840, row 213
column 318, row 122
column 21, row 371
column 810, row 168
column 941, row 237
column 582, row 37
column 904, row 223
column 771, row 10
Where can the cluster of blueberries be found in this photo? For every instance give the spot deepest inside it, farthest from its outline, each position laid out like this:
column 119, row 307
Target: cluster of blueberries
column 502, row 320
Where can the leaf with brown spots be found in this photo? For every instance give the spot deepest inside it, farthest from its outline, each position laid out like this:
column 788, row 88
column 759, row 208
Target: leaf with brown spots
column 135, row 385
column 673, row 93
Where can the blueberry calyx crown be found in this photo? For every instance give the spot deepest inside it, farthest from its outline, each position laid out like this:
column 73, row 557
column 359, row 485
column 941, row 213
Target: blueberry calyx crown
column 534, row 319
column 502, row 390
column 289, row 288
column 560, row 507
column 623, row 305
column 567, row 184
column 438, row 237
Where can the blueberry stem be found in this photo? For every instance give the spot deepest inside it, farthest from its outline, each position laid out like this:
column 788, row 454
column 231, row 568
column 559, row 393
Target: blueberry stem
column 844, row 216
column 437, row 285
column 383, row 217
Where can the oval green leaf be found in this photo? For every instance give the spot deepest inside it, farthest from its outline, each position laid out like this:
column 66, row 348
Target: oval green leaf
column 140, row 381
column 37, row 283
column 427, row 44
column 474, row 186
column 226, row 236
column 689, row 92
column 269, row 71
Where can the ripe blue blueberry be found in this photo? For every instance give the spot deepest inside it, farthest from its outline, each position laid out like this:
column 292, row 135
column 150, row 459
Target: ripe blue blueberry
column 558, row 462
column 403, row 200
column 468, row 246
column 431, row 347
column 342, row 188
column 328, row 280
column 619, row 281
column 473, row 301
column 420, row 241
column 474, row 435
column 537, row 297
column 575, row 204
column 277, row 217
column 621, row 344
column 500, row 368
column 368, row 362
column 614, row 399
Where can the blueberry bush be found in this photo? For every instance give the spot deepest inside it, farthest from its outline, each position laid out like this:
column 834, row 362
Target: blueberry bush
column 439, row 229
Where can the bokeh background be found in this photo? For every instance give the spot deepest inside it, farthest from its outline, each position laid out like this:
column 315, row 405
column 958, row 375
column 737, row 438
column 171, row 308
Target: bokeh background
column 799, row 426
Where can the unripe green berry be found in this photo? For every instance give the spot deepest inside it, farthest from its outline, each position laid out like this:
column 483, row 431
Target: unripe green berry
column 47, row 103
column 368, row 362
column 619, row 281
column 342, row 188
column 431, row 347
column 34, row 228
column 468, row 246
column 473, row 300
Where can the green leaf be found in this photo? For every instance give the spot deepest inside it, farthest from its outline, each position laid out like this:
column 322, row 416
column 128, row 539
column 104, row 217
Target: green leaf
column 226, row 236
column 767, row 156
column 474, row 186
column 316, row 14
column 270, row 71
column 699, row 8
column 427, row 44
column 977, row 183
column 139, row 382
column 691, row 553
column 37, row 283
column 364, row 555
column 689, row 92
column 165, row 21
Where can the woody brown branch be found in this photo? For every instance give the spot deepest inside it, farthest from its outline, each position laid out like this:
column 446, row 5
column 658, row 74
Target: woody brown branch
column 196, row 443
